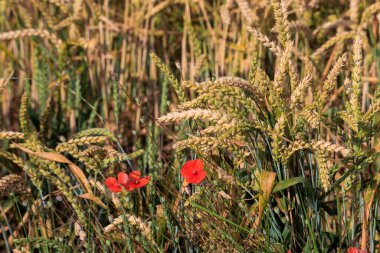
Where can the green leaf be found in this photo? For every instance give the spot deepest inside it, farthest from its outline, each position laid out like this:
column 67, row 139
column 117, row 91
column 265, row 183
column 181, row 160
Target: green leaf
column 193, row 204
column 288, row 183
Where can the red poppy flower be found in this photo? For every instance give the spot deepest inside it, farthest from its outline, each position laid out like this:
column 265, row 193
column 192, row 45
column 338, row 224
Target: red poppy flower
column 115, row 185
column 134, row 181
column 193, row 171
column 130, row 182
column 122, row 178
column 355, row 250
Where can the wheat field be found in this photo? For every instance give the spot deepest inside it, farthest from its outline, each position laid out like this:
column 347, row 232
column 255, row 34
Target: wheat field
column 190, row 126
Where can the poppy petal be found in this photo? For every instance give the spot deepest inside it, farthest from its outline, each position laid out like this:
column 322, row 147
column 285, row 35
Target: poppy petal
column 352, row 250
column 199, row 165
column 134, row 175
column 193, row 171
column 112, row 184
column 196, row 164
column 187, row 172
column 188, row 168
column 122, row 178
column 143, row 181
column 130, row 187
column 137, row 183
column 197, row 178
column 189, row 165
column 355, row 250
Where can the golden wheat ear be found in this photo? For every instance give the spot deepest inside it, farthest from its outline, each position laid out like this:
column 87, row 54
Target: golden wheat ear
column 45, row 34
column 13, row 183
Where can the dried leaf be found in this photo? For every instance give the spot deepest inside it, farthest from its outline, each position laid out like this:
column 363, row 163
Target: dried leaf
column 92, row 197
column 224, row 195
column 239, row 143
column 369, row 195
column 266, row 180
column 376, row 149
column 55, row 157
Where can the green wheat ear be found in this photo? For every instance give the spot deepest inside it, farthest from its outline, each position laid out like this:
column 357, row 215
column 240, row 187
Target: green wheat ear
column 253, row 68
column 24, row 115
column 116, row 101
column 41, row 72
column 193, row 38
column 170, row 76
